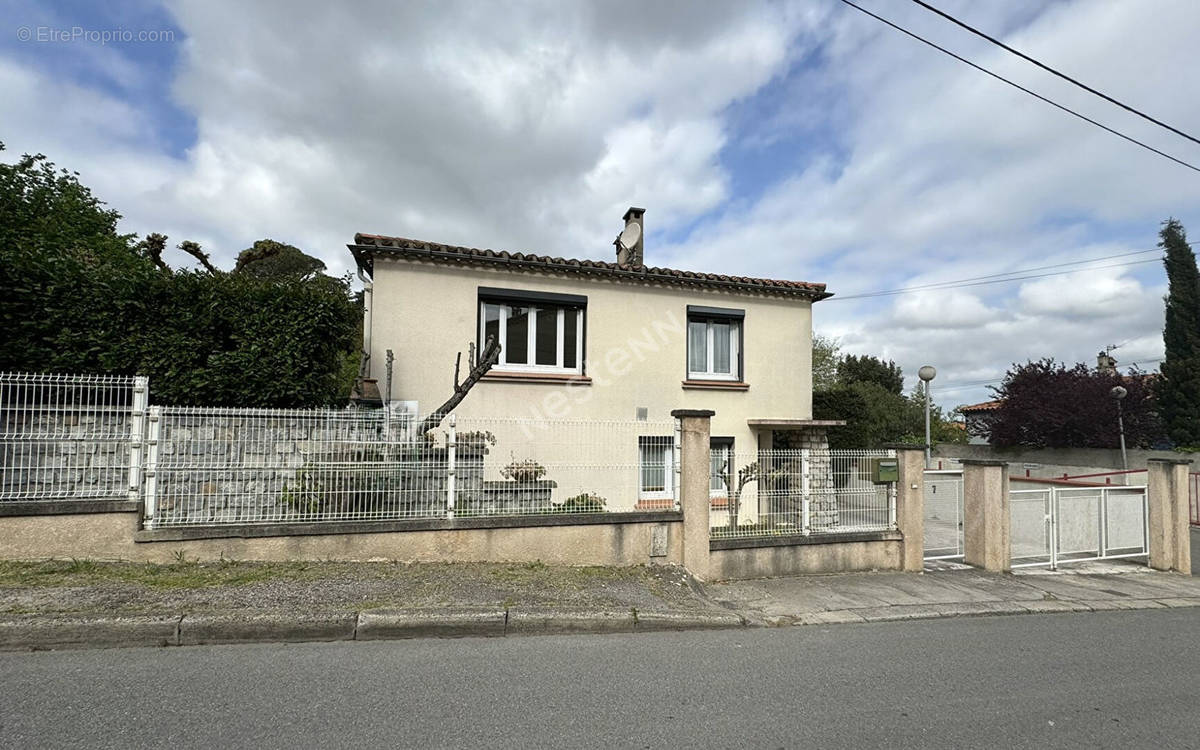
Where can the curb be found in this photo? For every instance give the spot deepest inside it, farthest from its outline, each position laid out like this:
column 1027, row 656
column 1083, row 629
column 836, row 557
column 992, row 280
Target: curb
column 899, row 612
column 41, row 632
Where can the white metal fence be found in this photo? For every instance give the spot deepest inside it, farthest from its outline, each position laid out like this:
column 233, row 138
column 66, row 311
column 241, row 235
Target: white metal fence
column 70, row 437
column 943, row 500
column 1056, row 525
column 783, row 492
column 237, row 466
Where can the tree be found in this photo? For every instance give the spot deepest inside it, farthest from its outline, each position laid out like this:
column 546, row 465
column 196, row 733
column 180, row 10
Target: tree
column 78, row 296
column 268, row 259
column 825, row 357
column 1045, row 404
column 1179, row 386
column 867, row 369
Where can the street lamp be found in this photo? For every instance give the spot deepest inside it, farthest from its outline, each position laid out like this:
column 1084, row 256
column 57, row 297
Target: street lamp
column 926, row 374
column 1118, row 393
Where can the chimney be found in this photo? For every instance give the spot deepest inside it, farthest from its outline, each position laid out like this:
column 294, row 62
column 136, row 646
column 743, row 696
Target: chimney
column 630, row 241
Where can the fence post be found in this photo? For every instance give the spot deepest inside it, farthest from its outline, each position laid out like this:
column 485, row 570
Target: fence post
column 907, row 501
column 451, row 451
column 694, row 499
column 1167, row 508
column 987, row 540
column 151, row 470
column 137, row 432
column 805, row 488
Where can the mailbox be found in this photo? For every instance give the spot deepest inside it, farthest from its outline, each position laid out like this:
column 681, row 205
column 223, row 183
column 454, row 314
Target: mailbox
column 885, row 470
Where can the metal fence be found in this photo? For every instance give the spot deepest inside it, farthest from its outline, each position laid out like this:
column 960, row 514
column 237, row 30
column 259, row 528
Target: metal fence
column 1057, row 525
column 943, row 500
column 70, row 437
column 1194, row 498
column 212, row 466
column 238, row 466
column 784, row 492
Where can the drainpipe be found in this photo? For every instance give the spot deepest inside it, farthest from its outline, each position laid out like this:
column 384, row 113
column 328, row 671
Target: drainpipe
column 367, row 294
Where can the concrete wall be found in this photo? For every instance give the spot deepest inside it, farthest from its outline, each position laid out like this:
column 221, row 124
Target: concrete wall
column 111, row 536
column 1054, row 462
column 883, row 552
column 635, row 348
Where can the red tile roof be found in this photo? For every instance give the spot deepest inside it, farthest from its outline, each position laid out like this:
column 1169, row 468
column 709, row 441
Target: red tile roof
column 985, row 406
column 367, row 246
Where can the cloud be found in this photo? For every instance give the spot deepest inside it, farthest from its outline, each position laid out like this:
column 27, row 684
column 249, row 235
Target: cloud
column 785, row 140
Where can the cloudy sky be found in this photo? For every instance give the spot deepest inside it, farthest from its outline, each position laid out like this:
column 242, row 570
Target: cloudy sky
column 792, row 140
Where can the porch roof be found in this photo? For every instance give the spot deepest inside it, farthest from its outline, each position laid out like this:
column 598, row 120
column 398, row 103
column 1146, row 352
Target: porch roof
column 794, row 424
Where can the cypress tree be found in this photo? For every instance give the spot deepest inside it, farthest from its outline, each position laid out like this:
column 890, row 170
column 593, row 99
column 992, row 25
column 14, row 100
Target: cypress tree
column 1179, row 386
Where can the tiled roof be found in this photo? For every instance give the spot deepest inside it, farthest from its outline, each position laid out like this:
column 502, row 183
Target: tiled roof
column 985, row 406
column 367, row 246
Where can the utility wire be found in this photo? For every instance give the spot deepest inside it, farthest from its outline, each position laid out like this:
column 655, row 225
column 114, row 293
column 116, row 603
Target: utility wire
column 949, row 284
column 1018, row 86
column 980, row 384
column 1049, row 69
column 892, row 292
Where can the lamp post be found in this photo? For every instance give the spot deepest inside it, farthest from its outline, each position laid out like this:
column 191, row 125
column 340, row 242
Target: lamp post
column 1118, row 393
column 926, row 374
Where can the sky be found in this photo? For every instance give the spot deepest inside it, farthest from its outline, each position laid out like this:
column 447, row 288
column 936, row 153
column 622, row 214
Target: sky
column 793, row 140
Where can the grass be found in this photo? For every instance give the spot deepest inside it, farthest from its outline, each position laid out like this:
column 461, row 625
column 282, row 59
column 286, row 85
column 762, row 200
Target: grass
column 191, row 574
column 176, row 575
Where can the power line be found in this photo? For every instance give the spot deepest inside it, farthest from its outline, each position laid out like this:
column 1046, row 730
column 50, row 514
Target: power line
column 908, row 290
column 1049, row 69
column 937, row 284
column 980, row 384
column 1018, row 86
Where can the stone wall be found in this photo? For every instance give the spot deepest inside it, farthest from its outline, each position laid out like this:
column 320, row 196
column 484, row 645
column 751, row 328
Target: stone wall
column 227, row 468
column 823, row 505
column 53, row 455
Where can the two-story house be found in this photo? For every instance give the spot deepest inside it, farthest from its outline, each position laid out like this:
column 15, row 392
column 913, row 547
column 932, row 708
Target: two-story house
column 595, row 340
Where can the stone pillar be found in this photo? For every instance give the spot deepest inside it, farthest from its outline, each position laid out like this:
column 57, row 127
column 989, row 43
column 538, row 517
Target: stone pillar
column 693, row 487
column 910, row 505
column 1167, row 501
column 987, row 542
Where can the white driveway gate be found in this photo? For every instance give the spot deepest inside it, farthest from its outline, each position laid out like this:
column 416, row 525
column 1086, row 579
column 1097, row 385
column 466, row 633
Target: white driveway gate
column 943, row 514
column 1056, row 525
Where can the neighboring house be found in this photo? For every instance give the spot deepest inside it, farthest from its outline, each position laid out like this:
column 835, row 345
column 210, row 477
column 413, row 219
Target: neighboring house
column 977, row 418
column 595, row 340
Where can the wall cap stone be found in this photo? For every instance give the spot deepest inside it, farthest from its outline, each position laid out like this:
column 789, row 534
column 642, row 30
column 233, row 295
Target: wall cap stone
column 797, row 540
column 319, row 528
column 67, row 507
column 685, row 413
column 983, row 462
column 1173, row 461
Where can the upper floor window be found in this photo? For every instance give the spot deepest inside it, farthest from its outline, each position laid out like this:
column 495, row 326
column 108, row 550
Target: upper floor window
column 537, row 331
column 714, row 343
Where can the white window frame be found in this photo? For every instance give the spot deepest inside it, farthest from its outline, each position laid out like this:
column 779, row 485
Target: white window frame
column 735, row 343
column 666, row 445
column 531, row 337
column 725, row 445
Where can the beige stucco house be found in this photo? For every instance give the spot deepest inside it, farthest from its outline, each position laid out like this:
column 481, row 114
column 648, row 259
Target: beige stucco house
column 594, row 340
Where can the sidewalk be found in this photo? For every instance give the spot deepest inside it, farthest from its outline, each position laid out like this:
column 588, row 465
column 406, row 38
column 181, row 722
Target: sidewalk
column 72, row 604
column 953, row 590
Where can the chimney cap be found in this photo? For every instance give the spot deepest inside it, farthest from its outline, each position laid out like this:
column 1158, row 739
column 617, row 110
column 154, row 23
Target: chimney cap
column 633, row 211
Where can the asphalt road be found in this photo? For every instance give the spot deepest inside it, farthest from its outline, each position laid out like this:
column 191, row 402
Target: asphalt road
column 1094, row 680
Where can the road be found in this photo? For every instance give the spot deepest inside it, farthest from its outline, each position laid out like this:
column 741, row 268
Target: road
column 1094, row 680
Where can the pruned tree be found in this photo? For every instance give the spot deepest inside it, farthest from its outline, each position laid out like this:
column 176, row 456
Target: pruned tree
column 479, row 367
column 854, row 368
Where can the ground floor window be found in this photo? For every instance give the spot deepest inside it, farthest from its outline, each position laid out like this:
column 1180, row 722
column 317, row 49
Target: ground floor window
column 656, row 470
column 723, row 473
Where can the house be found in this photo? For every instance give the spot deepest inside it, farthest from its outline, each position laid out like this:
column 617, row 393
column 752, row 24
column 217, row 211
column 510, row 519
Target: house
column 596, row 340
column 977, row 418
